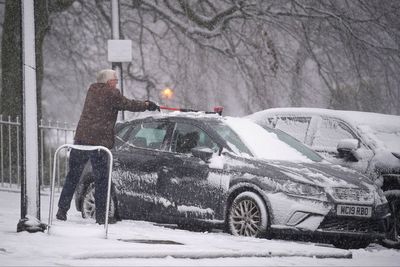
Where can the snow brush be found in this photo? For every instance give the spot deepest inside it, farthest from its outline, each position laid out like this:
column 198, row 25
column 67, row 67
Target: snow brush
column 217, row 110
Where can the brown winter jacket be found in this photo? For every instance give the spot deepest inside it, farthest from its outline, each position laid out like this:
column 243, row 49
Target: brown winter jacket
column 100, row 111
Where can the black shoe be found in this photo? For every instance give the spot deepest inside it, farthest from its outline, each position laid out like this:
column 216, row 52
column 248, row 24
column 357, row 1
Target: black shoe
column 61, row 215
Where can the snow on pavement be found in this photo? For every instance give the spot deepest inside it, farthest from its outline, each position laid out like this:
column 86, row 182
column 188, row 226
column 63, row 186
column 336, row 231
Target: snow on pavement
column 81, row 242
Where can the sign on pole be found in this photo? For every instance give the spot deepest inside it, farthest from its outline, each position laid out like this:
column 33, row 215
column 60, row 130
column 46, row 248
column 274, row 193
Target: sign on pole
column 119, row 50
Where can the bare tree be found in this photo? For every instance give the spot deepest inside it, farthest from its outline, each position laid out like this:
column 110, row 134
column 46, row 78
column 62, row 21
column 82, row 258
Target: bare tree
column 11, row 51
column 244, row 54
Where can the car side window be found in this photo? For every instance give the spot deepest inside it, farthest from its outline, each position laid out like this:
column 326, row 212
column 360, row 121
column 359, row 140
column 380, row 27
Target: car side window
column 187, row 136
column 329, row 133
column 121, row 133
column 295, row 126
column 148, row 135
column 120, row 136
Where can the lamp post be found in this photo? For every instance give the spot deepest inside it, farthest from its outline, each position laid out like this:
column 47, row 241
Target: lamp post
column 118, row 50
column 30, row 191
column 117, row 66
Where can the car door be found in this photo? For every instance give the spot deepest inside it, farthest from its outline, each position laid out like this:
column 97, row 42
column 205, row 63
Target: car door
column 328, row 132
column 188, row 181
column 137, row 162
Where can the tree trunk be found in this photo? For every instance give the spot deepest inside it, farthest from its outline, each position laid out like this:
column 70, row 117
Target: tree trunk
column 11, row 93
column 11, row 58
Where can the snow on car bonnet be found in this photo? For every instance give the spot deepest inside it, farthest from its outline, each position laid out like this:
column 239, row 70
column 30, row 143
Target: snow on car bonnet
column 263, row 144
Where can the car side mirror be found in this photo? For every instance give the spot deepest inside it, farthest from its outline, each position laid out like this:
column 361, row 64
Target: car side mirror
column 203, row 153
column 347, row 147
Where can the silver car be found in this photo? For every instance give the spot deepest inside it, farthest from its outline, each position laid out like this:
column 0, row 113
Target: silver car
column 364, row 141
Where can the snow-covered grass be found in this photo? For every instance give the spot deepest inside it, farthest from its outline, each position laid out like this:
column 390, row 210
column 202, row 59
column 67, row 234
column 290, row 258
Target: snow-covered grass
column 81, row 242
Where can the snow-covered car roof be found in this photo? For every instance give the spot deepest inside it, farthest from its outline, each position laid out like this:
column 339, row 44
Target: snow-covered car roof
column 352, row 117
column 381, row 130
column 198, row 114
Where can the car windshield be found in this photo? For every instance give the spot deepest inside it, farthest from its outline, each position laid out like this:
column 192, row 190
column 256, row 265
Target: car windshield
column 381, row 131
column 244, row 136
column 232, row 139
column 386, row 136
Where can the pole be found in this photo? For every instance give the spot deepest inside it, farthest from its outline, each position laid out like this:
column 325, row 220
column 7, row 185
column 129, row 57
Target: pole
column 30, row 194
column 117, row 66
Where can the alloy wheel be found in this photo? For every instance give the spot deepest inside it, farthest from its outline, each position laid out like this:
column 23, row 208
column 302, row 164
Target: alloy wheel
column 248, row 215
column 246, row 218
column 89, row 206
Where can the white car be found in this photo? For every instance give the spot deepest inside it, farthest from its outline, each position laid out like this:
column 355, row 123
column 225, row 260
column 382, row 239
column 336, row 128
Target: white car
column 364, row 141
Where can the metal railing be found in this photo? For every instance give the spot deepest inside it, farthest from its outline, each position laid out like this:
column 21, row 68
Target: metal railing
column 51, row 133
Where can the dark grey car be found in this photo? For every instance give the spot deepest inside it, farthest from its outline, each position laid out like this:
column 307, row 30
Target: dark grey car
column 229, row 173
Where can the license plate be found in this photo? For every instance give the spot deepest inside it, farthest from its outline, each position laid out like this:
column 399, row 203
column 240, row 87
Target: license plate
column 351, row 210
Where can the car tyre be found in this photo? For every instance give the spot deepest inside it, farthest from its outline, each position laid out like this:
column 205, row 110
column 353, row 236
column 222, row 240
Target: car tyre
column 392, row 239
column 88, row 207
column 248, row 215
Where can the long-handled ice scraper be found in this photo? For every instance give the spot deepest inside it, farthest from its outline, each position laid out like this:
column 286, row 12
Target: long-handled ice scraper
column 217, row 110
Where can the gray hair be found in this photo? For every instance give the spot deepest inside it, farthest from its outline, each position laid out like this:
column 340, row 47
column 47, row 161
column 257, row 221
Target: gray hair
column 104, row 75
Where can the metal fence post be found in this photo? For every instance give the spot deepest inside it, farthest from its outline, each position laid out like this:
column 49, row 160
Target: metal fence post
column 1, row 151
column 18, row 153
column 50, row 137
column 50, row 168
column 41, row 153
column 9, row 152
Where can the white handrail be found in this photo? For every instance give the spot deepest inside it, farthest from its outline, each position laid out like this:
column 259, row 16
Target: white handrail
column 88, row 148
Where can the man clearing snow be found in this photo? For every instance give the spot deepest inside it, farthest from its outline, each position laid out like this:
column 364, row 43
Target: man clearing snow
column 96, row 128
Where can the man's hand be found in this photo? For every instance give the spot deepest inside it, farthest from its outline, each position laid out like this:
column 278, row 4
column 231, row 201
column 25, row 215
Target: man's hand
column 151, row 106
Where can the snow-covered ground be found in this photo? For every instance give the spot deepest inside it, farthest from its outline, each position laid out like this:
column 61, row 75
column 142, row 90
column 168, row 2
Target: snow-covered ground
column 139, row 243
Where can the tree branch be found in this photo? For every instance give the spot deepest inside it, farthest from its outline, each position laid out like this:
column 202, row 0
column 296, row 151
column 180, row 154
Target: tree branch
column 208, row 23
column 210, row 32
